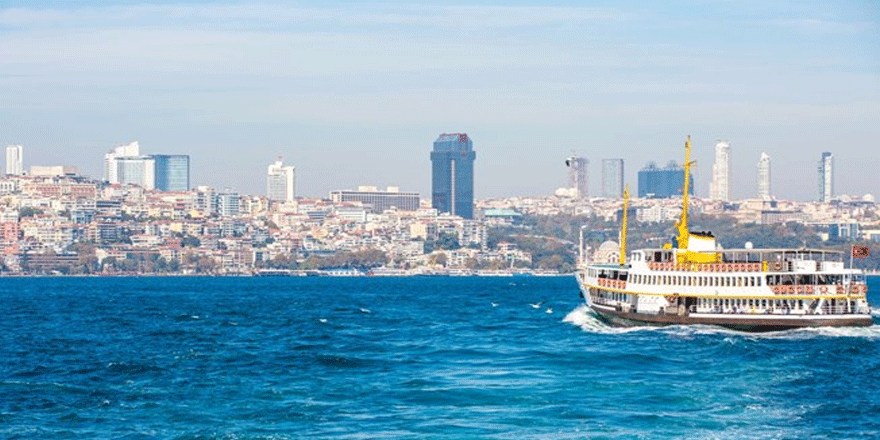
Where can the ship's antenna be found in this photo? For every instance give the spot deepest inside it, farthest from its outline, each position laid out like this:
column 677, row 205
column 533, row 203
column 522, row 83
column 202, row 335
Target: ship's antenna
column 623, row 227
column 683, row 232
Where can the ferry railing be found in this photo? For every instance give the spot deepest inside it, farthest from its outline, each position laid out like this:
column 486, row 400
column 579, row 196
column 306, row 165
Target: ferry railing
column 824, row 310
column 707, row 267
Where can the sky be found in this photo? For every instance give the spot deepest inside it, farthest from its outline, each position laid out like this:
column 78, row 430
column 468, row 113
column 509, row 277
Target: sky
column 354, row 93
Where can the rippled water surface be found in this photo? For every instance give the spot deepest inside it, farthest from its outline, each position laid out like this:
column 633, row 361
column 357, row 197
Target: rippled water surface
column 344, row 358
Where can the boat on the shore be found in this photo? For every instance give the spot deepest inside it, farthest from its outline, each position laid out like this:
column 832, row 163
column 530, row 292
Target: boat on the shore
column 692, row 281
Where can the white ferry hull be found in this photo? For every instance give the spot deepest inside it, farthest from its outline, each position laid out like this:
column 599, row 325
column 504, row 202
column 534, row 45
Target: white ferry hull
column 753, row 323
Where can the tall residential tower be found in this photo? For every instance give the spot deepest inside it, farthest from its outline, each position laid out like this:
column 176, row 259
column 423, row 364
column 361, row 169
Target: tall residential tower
column 13, row 160
column 720, row 186
column 612, row 178
column 452, row 174
column 764, row 177
column 280, row 182
column 826, row 177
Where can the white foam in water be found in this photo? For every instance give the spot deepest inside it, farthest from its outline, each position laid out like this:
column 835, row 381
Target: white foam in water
column 587, row 321
column 363, row 310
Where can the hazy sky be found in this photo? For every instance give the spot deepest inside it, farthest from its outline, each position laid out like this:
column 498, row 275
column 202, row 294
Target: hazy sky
column 356, row 92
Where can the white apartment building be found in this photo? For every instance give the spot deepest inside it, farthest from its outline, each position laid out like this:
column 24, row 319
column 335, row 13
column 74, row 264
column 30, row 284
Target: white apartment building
column 13, row 160
column 719, row 187
column 280, row 182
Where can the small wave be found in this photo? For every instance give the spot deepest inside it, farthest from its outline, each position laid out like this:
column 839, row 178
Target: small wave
column 186, row 317
column 584, row 318
column 342, row 361
column 132, row 368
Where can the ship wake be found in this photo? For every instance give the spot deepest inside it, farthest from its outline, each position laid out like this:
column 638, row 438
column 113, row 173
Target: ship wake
column 584, row 318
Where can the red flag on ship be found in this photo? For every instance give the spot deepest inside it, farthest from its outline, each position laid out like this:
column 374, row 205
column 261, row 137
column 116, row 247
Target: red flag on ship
column 860, row 251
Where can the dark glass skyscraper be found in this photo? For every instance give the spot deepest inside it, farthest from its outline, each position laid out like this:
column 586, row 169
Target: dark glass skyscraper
column 452, row 184
column 172, row 172
column 659, row 183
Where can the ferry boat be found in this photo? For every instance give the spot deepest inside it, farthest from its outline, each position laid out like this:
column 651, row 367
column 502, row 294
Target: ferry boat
column 692, row 281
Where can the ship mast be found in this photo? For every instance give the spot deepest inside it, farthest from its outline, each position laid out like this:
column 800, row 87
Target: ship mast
column 623, row 227
column 683, row 233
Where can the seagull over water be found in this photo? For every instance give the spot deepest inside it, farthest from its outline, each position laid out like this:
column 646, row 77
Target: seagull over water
column 494, row 304
column 537, row 306
column 549, row 310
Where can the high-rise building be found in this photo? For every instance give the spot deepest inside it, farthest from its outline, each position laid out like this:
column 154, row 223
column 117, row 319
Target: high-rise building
column 612, row 178
column 826, row 177
column 110, row 165
column 172, row 172
column 764, row 177
column 452, row 174
column 165, row 172
column 577, row 175
column 720, row 186
column 13, row 160
column 378, row 201
column 280, row 182
column 135, row 170
column 658, row 183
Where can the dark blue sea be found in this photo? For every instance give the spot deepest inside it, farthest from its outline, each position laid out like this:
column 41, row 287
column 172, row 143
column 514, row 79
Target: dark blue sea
column 405, row 358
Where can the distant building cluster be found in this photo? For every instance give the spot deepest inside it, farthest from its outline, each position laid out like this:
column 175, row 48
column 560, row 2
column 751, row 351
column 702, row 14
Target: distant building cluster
column 663, row 182
column 125, row 165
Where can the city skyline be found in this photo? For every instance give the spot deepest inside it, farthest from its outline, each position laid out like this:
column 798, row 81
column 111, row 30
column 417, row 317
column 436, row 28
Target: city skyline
column 360, row 86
